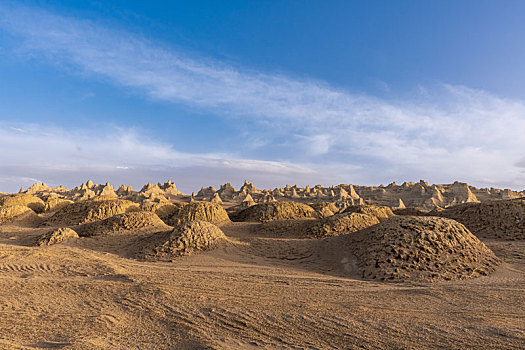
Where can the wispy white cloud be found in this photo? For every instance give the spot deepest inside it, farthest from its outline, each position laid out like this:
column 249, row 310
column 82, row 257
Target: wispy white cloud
column 68, row 156
column 442, row 133
column 18, row 129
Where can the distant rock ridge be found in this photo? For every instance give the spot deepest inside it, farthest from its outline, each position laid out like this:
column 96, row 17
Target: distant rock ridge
column 418, row 195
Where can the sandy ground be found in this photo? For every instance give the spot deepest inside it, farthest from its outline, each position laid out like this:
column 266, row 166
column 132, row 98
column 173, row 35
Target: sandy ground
column 256, row 291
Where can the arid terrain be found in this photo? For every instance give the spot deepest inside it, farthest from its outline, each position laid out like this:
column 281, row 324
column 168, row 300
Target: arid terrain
column 400, row 266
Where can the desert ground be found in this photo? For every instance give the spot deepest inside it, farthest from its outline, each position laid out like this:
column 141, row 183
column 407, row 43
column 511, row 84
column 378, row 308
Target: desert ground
column 387, row 267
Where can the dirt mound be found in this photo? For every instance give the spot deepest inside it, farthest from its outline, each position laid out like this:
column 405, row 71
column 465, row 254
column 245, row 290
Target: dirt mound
column 164, row 210
column 410, row 211
column 275, row 211
column 90, row 211
column 185, row 239
column 11, row 212
column 420, row 249
column 200, row 211
column 436, row 211
column 118, row 224
column 56, row 236
column 341, row 224
column 334, row 225
column 382, row 213
column 286, row 228
column 53, row 204
column 27, row 200
column 502, row 219
column 324, row 209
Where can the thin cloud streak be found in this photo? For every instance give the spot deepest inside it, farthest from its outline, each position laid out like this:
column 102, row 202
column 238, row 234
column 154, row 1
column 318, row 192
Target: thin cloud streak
column 444, row 133
column 114, row 148
column 114, row 153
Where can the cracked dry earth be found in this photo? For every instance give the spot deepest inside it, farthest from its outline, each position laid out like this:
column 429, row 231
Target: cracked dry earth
column 256, row 291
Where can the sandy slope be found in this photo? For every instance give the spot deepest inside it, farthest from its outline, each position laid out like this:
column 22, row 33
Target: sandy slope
column 274, row 292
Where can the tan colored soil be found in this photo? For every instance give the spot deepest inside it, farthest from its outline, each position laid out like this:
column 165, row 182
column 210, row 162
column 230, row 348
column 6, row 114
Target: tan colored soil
column 123, row 224
column 504, row 219
column 11, row 212
column 334, row 225
column 275, row 211
column 35, row 203
column 164, row 210
column 56, row 236
column 324, row 209
column 185, row 239
column 53, row 204
column 339, row 224
column 382, row 213
column 241, row 287
column 90, row 211
column 420, row 249
column 200, row 211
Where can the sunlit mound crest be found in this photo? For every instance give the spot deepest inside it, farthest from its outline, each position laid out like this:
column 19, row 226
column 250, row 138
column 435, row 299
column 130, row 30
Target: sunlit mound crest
column 339, row 224
column 56, row 236
column 54, row 204
column 185, row 239
column 164, row 209
column 12, row 212
column 419, row 249
column 324, row 209
column 126, row 223
column 503, row 219
column 200, row 211
column 380, row 212
column 335, row 225
column 275, row 211
column 89, row 211
column 35, row 203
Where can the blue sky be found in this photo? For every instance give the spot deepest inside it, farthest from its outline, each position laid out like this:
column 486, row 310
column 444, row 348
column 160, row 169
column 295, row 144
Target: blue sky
column 276, row 92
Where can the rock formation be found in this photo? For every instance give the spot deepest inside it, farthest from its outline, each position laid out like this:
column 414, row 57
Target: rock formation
column 185, row 239
column 200, row 211
column 56, row 236
column 275, row 211
column 420, row 249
